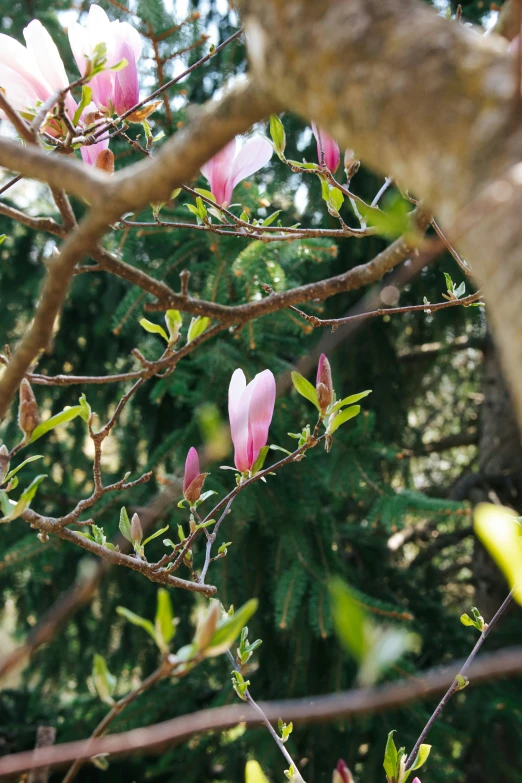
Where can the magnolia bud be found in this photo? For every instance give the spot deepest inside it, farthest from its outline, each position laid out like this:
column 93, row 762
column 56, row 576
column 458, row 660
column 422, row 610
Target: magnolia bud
column 342, row 774
column 324, row 385
column 28, row 413
column 193, row 491
column 4, row 462
column 351, row 164
column 105, row 161
column 136, row 529
column 207, row 625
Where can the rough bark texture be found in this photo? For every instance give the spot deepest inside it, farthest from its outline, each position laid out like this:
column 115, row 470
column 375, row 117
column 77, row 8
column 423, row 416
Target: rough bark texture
column 420, row 98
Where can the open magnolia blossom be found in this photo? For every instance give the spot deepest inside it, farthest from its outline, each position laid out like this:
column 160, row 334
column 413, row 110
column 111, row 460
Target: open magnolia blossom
column 327, row 149
column 30, row 74
column 111, row 90
column 250, row 409
column 233, row 164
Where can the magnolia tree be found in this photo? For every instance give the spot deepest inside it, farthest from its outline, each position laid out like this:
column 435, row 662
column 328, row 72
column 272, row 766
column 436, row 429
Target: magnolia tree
column 415, row 96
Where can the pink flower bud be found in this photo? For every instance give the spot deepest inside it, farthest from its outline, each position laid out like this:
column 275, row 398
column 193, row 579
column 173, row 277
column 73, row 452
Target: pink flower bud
column 28, row 413
column 327, row 149
column 193, row 480
column 4, row 462
column 250, row 410
column 342, row 774
column 324, row 385
column 136, row 529
column 233, row 164
column 415, row 780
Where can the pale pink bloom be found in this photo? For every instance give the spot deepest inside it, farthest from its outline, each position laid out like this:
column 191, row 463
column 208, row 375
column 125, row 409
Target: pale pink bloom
column 250, row 409
column 415, row 780
column 117, row 90
column 233, row 164
column 90, row 152
column 30, row 74
column 327, row 147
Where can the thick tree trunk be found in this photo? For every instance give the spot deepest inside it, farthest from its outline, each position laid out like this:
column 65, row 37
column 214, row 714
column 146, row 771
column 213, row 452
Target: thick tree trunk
column 420, row 98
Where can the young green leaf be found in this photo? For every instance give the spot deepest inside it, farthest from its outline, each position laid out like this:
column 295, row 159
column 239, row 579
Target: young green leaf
column 498, row 530
column 135, row 619
column 390, row 762
column 20, row 466
column 164, row 622
column 153, row 328
column 197, row 326
column 342, row 417
column 84, row 101
column 103, row 680
column 155, row 535
column 25, row 498
column 229, row 628
column 349, row 400
column 421, row 758
column 349, row 619
column 305, row 388
column 260, row 461
column 125, row 525
column 254, row 773
column 68, row 414
column 277, row 132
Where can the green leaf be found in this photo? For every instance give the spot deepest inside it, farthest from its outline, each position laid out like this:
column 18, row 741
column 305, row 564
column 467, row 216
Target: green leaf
column 304, row 165
column 229, row 628
column 3, row 237
column 342, row 417
column 153, row 328
column 336, row 199
column 84, row 101
column 349, row 400
column 21, row 465
column 465, row 619
column 392, row 220
column 254, row 773
column 120, row 65
column 103, row 680
column 349, row 619
column 155, row 535
column 6, row 506
column 461, row 290
column 260, row 461
column 25, row 498
column 422, row 756
column 277, row 132
column 206, row 193
column 68, row 414
column 498, row 530
column 270, row 219
column 164, row 622
column 174, row 321
column 125, row 525
column 85, row 412
column 305, row 388
column 205, row 495
column 280, row 448
column 197, row 327
column 449, row 283
column 135, row 619
column 390, row 757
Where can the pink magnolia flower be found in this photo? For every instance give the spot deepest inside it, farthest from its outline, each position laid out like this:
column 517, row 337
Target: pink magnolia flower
column 415, row 780
column 193, row 479
column 32, row 73
column 342, row 774
column 111, row 90
column 250, row 409
column 233, row 164
column 327, row 149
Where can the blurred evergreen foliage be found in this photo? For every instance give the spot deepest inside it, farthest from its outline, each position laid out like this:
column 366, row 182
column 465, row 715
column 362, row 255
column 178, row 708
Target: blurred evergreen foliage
column 330, row 514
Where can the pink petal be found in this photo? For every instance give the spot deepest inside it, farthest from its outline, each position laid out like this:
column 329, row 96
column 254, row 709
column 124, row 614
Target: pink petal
column 261, row 410
column 45, row 52
column 252, row 156
column 238, row 398
column 126, row 32
column 191, row 468
column 16, row 57
column 19, row 91
column 98, row 29
column 79, row 45
column 218, row 172
column 330, row 148
column 91, row 152
column 126, row 85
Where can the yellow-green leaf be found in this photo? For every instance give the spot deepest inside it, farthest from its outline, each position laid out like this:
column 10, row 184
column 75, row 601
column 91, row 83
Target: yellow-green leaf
column 499, row 531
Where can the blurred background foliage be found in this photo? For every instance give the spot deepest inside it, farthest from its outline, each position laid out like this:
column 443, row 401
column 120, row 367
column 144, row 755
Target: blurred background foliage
column 389, row 509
